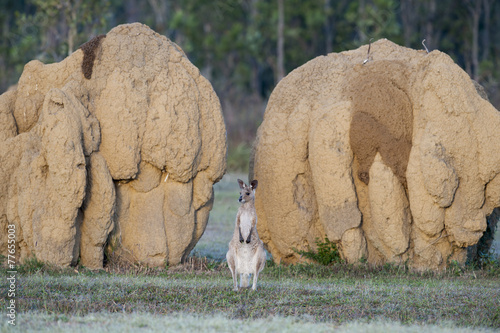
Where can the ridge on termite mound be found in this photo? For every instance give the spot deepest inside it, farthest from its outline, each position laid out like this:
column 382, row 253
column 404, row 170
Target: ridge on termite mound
column 394, row 159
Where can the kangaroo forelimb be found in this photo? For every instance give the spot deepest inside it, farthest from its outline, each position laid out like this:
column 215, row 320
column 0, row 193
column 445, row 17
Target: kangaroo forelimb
column 241, row 237
column 249, row 238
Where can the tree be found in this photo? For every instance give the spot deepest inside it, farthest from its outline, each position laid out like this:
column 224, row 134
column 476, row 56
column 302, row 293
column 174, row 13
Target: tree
column 474, row 8
column 280, row 67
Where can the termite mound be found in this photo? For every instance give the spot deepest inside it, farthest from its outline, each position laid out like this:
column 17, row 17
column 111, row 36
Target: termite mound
column 125, row 161
column 392, row 156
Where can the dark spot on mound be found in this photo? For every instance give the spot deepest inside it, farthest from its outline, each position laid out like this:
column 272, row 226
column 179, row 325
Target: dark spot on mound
column 89, row 53
column 382, row 118
column 482, row 249
column 480, row 90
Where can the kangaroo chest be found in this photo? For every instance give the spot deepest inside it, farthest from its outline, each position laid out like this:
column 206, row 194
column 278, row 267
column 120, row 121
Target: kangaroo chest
column 245, row 224
column 246, row 219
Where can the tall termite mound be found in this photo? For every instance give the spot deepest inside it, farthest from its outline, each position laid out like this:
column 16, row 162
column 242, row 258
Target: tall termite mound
column 117, row 145
column 394, row 159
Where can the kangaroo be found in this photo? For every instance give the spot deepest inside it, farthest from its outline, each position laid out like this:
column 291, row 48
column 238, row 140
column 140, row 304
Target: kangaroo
column 246, row 253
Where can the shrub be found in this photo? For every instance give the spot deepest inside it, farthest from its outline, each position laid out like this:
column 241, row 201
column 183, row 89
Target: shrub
column 31, row 266
column 326, row 254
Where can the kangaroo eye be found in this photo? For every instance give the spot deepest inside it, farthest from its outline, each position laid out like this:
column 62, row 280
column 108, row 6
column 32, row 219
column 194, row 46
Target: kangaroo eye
column 248, row 193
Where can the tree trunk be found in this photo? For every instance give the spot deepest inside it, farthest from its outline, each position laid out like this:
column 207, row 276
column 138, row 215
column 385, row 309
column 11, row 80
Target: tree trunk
column 475, row 41
column 256, row 86
column 486, row 41
column 361, row 25
column 328, row 26
column 408, row 10
column 207, row 70
column 160, row 12
column 281, row 42
column 72, row 8
column 72, row 33
column 132, row 12
column 429, row 26
column 474, row 7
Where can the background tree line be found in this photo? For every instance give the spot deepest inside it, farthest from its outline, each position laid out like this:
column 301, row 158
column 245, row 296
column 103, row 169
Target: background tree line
column 244, row 47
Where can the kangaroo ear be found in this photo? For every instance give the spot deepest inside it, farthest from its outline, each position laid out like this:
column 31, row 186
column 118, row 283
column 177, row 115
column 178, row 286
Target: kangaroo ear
column 242, row 184
column 254, row 184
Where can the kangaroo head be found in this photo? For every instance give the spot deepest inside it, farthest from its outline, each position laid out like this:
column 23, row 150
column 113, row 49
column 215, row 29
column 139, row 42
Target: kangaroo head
column 247, row 193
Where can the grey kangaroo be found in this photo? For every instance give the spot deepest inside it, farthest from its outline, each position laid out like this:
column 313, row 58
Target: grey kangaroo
column 246, row 253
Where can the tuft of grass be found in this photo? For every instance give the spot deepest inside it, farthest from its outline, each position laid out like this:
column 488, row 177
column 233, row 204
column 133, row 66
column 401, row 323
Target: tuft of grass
column 326, row 254
column 32, row 265
column 490, row 264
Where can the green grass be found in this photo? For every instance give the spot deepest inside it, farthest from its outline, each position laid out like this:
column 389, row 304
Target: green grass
column 311, row 295
column 300, row 298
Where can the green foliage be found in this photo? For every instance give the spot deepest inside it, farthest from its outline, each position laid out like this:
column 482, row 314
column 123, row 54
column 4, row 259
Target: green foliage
column 455, row 268
column 490, row 263
column 327, row 252
column 377, row 19
column 483, row 255
column 238, row 158
column 32, row 266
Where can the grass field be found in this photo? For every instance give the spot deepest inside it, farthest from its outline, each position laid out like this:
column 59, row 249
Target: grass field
column 198, row 296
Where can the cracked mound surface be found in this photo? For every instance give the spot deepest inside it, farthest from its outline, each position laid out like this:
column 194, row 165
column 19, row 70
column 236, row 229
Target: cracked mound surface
column 395, row 160
column 117, row 145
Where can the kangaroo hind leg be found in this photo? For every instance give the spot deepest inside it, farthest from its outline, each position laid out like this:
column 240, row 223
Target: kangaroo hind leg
column 232, row 268
column 261, row 262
